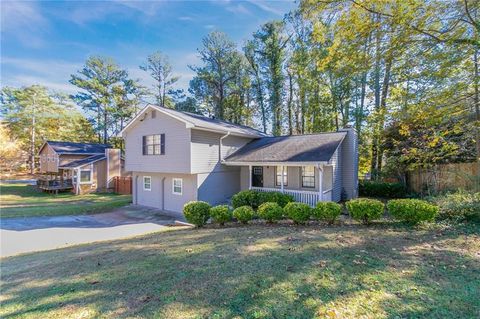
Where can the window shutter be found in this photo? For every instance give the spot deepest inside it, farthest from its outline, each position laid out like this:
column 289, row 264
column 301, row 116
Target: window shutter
column 144, row 145
column 162, row 144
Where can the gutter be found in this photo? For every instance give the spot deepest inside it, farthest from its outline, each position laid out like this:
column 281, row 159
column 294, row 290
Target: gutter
column 220, row 147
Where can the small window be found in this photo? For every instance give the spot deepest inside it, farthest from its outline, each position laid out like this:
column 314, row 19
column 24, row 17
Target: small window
column 85, row 176
column 154, row 144
column 308, row 176
column 177, row 186
column 278, row 176
column 154, row 114
column 147, row 183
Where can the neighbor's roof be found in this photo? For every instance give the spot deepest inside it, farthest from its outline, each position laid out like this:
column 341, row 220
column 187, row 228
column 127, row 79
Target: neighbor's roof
column 77, row 148
column 203, row 122
column 293, row 148
column 84, row 161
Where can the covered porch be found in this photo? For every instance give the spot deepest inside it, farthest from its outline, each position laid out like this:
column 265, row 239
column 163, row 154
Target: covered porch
column 309, row 183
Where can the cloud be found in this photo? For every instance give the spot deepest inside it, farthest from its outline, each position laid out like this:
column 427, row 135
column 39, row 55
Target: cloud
column 209, row 26
column 24, row 21
column 238, row 9
column 53, row 74
column 185, row 18
column 267, row 6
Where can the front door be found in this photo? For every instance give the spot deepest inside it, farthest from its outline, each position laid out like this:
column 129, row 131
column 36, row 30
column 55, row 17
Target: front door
column 257, row 176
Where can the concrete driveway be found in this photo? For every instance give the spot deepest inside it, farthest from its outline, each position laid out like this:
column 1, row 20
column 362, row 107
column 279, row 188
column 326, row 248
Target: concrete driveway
column 21, row 235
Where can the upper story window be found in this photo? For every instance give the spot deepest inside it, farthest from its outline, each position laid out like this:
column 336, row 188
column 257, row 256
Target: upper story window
column 308, row 176
column 278, row 176
column 154, row 144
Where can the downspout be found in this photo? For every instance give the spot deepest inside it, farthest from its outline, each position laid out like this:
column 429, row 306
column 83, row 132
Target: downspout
column 78, row 182
column 163, row 193
column 136, row 189
column 220, row 146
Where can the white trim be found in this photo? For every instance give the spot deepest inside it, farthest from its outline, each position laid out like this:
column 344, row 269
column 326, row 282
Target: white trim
column 273, row 163
column 181, row 186
column 144, row 110
column 143, row 182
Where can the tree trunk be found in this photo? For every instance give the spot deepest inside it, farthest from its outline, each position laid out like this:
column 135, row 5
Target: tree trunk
column 32, row 137
column 376, row 88
column 476, row 102
column 290, row 102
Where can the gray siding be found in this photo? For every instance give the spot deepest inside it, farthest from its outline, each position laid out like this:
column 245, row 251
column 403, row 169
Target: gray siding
column 336, row 162
column 350, row 164
column 205, row 150
column 218, row 187
column 177, row 145
column 161, row 195
column 217, row 183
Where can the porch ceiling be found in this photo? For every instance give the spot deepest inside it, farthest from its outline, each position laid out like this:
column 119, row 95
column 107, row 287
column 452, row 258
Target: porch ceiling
column 285, row 150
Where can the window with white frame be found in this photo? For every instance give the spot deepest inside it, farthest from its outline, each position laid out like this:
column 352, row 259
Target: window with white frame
column 278, row 176
column 177, row 186
column 147, row 183
column 308, row 176
column 85, row 176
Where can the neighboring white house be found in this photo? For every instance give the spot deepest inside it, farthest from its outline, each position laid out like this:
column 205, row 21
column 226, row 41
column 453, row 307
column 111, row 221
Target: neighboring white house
column 176, row 157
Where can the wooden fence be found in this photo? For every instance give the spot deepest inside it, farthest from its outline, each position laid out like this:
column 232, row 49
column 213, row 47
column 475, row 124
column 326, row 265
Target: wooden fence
column 445, row 177
column 123, row 185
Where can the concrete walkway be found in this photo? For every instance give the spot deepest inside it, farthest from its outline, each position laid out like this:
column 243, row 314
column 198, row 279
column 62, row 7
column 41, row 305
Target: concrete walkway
column 21, row 235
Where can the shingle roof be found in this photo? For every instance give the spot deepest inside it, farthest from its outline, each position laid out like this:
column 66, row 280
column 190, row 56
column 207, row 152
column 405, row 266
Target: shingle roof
column 294, row 148
column 78, row 148
column 84, row 161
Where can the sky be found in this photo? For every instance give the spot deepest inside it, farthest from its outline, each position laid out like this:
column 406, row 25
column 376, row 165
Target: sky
column 44, row 42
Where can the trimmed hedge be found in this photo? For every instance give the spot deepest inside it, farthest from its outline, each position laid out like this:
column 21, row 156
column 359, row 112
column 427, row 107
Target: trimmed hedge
column 270, row 211
column 327, row 211
column 381, row 189
column 412, row 210
column 254, row 198
column 365, row 209
column 221, row 214
column 298, row 212
column 243, row 214
column 197, row 212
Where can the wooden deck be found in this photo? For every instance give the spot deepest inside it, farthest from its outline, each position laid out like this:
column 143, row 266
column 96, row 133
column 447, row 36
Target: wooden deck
column 54, row 186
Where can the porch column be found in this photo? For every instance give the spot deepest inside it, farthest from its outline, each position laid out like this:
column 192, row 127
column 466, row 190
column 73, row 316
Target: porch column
column 281, row 179
column 77, row 184
column 249, row 176
column 320, row 182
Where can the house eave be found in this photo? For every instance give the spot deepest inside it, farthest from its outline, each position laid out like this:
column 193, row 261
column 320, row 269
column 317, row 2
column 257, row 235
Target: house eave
column 274, row 163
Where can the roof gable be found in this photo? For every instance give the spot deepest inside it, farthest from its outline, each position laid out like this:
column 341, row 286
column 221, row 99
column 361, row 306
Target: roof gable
column 294, row 148
column 200, row 122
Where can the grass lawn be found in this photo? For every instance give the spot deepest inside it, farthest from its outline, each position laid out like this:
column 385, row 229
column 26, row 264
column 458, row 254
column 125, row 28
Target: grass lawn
column 22, row 200
column 259, row 271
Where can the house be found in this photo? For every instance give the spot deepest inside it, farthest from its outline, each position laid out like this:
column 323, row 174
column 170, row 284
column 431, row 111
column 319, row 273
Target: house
column 176, row 157
column 94, row 166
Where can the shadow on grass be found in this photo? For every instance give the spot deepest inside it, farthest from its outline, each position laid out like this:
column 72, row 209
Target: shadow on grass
column 255, row 272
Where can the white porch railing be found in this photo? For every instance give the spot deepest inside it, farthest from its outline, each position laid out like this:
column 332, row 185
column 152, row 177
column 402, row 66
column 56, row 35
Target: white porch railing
column 307, row 197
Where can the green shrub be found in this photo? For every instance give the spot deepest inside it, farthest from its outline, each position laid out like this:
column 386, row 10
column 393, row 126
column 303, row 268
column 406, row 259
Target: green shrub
column 197, row 212
column 458, row 206
column 255, row 198
column 247, row 198
column 381, row 189
column 244, row 214
column 298, row 212
column 327, row 211
column 221, row 214
column 277, row 197
column 412, row 210
column 270, row 211
column 365, row 209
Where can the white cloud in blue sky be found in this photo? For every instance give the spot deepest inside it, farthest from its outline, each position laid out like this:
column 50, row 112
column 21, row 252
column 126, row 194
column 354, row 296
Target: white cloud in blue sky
column 45, row 42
